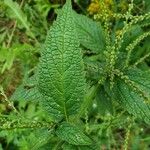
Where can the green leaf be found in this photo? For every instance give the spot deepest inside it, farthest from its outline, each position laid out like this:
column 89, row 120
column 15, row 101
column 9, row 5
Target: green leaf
column 90, row 33
column 26, row 93
column 72, row 134
column 104, row 102
column 141, row 79
column 28, row 90
column 131, row 100
column 61, row 75
column 17, row 12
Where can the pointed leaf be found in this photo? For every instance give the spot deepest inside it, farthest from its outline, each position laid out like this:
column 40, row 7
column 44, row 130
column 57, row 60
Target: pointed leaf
column 132, row 101
column 61, row 76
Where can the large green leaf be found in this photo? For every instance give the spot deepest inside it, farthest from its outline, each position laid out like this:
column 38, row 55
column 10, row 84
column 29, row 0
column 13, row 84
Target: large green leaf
column 61, row 76
column 72, row 134
column 131, row 100
column 90, row 33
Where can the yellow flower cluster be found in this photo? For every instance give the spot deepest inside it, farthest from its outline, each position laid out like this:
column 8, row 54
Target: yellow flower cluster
column 97, row 6
column 94, row 7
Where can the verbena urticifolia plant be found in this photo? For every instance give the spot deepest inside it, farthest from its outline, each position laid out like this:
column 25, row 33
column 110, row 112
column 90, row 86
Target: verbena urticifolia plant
column 86, row 67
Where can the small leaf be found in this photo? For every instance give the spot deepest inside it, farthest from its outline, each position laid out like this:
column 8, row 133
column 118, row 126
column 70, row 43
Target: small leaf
column 72, row 134
column 28, row 90
column 23, row 93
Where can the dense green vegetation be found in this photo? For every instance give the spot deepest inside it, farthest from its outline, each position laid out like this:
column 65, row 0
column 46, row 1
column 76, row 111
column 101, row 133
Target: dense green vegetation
column 74, row 75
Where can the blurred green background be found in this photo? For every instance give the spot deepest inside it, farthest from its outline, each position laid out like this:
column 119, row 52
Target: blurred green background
column 23, row 28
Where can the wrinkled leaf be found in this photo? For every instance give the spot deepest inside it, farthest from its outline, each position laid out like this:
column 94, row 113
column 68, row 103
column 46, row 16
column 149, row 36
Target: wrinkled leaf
column 90, row 33
column 72, row 134
column 141, row 78
column 61, row 76
column 26, row 93
column 129, row 99
column 28, row 90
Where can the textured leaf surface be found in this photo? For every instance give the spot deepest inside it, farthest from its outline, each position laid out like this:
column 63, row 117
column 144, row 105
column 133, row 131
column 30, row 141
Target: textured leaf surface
column 26, row 94
column 141, row 78
column 72, row 135
column 61, row 76
column 131, row 101
column 28, row 90
column 90, row 33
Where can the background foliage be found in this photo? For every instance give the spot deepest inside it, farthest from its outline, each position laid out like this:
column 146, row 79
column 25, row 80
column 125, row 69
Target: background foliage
column 23, row 28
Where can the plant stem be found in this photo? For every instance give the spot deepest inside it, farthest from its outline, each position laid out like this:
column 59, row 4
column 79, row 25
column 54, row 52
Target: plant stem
column 6, row 100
